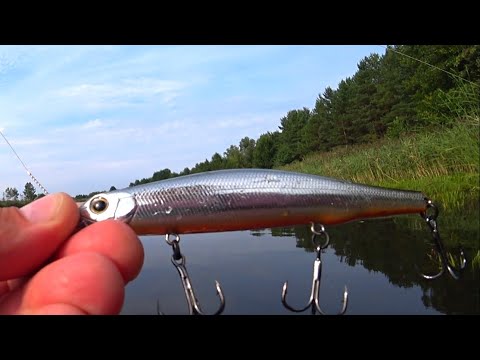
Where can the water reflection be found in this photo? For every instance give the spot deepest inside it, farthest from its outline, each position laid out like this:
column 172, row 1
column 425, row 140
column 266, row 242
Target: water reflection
column 376, row 259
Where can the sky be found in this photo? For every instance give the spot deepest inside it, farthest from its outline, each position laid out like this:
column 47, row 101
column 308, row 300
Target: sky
column 84, row 118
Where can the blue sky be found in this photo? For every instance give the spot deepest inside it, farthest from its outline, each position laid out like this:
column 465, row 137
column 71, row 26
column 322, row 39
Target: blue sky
column 84, row 118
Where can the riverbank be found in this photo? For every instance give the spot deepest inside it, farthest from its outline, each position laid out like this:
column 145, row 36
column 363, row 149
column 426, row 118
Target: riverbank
column 444, row 164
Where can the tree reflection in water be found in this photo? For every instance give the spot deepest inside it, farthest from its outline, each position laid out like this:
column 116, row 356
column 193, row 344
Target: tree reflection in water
column 398, row 247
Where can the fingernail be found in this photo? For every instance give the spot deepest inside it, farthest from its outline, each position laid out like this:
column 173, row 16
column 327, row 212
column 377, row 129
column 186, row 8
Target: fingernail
column 44, row 209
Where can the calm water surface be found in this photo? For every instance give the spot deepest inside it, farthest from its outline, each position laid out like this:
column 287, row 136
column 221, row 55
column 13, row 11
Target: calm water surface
column 375, row 259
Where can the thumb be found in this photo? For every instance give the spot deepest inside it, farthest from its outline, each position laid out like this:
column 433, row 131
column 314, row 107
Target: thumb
column 30, row 235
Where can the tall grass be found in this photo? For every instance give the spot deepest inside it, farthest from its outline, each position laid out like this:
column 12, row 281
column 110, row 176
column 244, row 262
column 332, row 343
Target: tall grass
column 476, row 260
column 443, row 163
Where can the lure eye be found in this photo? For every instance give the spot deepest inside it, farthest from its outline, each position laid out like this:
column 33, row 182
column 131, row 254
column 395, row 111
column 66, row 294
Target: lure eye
column 99, row 205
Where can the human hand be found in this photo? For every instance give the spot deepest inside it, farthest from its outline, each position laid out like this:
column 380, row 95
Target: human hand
column 45, row 269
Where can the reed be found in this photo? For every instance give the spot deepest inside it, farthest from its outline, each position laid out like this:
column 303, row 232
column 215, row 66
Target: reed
column 444, row 163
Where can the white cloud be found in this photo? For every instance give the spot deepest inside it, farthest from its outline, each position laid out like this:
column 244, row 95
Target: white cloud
column 8, row 61
column 92, row 124
column 30, row 141
column 125, row 92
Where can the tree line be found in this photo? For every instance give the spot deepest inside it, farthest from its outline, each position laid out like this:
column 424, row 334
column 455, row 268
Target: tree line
column 12, row 197
column 389, row 95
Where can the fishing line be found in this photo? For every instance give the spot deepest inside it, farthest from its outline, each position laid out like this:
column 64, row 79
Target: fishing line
column 25, row 166
column 425, row 63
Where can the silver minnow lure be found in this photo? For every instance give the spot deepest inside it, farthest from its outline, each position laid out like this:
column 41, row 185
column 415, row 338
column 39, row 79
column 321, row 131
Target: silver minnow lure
column 246, row 199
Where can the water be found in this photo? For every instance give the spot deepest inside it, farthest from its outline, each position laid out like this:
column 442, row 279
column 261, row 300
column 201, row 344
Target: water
column 375, row 259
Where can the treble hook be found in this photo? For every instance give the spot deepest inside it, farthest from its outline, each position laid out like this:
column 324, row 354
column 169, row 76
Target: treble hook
column 317, row 275
column 178, row 259
column 439, row 248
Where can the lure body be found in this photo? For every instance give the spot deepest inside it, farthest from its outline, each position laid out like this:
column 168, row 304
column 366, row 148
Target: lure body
column 244, row 199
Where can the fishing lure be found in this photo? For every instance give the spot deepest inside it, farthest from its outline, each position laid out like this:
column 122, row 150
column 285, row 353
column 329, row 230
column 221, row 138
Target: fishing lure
column 246, row 199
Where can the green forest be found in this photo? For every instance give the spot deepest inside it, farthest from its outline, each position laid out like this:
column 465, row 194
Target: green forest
column 410, row 113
